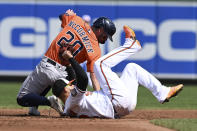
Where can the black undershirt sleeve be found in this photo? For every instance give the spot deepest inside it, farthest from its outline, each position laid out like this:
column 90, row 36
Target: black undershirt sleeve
column 71, row 73
column 81, row 76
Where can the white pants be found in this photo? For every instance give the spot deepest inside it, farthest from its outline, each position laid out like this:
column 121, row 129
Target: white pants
column 123, row 91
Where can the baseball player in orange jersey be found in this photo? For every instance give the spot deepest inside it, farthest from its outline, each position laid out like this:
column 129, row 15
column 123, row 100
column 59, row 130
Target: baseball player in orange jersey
column 118, row 96
column 85, row 41
column 84, row 38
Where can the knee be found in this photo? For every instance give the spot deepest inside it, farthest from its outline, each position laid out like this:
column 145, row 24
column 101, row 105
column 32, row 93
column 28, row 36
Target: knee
column 20, row 101
column 132, row 102
column 129, row 103
column 23, row 101
column 124, row 107
column 132, row 65
column 132, row 106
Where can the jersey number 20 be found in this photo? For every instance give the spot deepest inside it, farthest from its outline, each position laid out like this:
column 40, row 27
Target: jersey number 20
column 70, row 40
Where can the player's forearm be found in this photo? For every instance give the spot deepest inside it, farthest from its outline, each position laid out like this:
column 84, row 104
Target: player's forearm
column 95, row 82
column 81, row 76
column 71, row 73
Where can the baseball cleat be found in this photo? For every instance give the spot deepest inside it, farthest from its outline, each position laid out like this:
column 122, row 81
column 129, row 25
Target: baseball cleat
column 173, row 92
column 33, row 111
column 56, row 104
column 129, row 33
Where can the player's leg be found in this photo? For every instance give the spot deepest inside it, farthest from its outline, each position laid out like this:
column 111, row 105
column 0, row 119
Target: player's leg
column 32, row 99
column 103, row 65
column 32, row 88
column 130, row 47
column 130, row 80
column 107, row 78
column 113, row 87
column 110, row 81
column 146, row 79
column 34, row 110
column 35, row 84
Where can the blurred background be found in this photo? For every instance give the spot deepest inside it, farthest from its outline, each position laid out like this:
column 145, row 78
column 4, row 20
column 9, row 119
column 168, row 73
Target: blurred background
column 166, row 29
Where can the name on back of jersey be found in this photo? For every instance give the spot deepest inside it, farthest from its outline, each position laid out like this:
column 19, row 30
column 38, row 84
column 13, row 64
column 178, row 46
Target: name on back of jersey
column 83, row 35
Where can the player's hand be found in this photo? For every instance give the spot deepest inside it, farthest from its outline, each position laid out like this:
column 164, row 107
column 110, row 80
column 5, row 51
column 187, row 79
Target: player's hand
column 65, row 47
column 67, row 55
column 70, row 12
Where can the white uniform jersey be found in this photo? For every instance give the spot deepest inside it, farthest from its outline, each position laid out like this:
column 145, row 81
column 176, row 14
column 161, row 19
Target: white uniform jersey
column 88, row 104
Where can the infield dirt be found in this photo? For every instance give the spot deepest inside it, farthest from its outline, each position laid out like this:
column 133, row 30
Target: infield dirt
column 18, row 120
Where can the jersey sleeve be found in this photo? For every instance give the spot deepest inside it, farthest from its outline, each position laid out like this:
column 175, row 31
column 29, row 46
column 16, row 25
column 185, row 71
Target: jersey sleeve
column 90, row 65
column 93, row 56
column 65, row 19
column 92, row 59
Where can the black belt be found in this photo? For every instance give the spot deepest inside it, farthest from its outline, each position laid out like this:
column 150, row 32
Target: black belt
column 51, row 62
column 54, row 63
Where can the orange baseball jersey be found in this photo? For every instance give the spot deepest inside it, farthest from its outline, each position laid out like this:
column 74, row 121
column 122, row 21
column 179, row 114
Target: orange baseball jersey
column 80, row 35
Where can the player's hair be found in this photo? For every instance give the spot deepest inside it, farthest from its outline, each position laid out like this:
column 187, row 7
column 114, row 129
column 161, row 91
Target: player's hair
column 58, row 86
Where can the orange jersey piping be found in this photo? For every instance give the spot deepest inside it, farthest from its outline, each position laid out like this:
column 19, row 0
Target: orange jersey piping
column 106, row 59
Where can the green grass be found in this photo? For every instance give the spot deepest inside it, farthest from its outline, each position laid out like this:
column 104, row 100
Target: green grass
column 177, row 124
column 185, row 100
column 8, row 94
column 9, row 91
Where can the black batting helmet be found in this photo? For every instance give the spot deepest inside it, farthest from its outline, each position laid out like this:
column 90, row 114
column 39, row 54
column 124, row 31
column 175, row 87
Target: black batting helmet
column 107, row 25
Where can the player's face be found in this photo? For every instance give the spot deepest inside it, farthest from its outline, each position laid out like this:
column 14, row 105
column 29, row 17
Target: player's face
column 66, row 92
column 102, row 36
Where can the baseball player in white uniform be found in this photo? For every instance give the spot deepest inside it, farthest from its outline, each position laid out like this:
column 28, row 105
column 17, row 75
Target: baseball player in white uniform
column 118, row 96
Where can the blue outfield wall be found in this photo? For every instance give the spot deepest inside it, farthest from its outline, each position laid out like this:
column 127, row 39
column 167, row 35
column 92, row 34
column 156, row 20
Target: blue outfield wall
column 167, row 32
